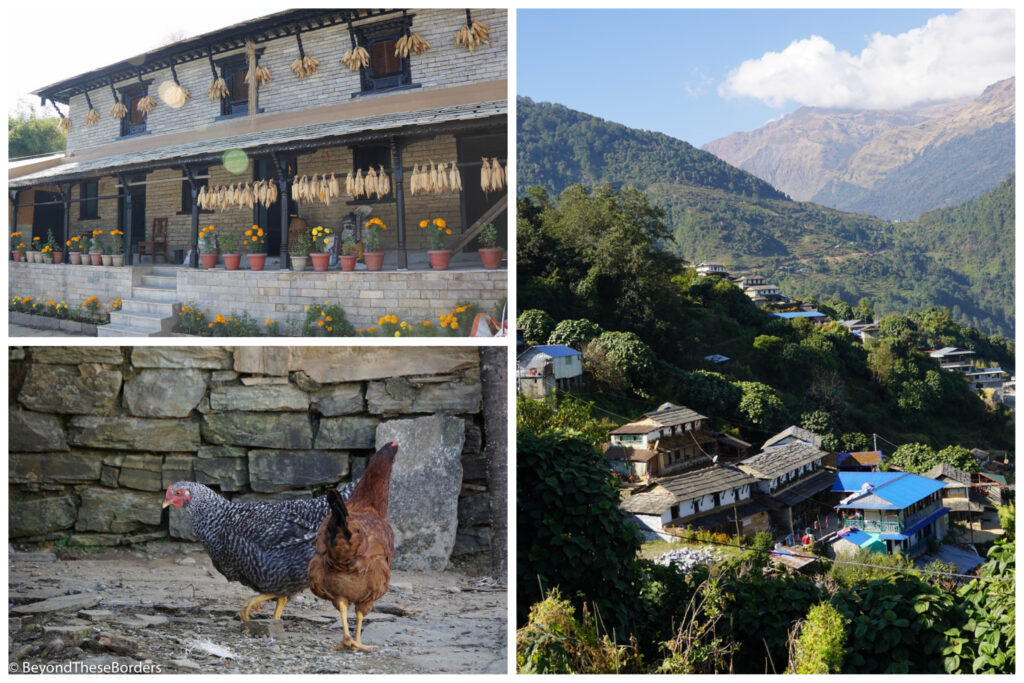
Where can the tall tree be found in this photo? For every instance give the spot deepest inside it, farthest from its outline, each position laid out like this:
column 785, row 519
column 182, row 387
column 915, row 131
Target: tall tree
column 28, row 135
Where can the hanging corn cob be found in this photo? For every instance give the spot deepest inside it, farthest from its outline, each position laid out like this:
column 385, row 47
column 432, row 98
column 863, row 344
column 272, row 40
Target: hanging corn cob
column 356, row 58
column 413, row 43
column 472, row 34
column 218, row 88
column 485, row 175
column 350, row 184
column 455, row 178
column 304, row 65
column 65, row 122
column 118, row 111
column 333, row 184
column 432, row 180
column 92, row 117
column 383, row 182
column 146, row 105
column 260, row 73
column 370, row 184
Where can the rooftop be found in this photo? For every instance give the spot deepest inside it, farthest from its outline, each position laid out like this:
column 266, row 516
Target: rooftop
column 555, row 350
column 669, row 414
column 798, row 433
column 779, row 460
column 883, row 490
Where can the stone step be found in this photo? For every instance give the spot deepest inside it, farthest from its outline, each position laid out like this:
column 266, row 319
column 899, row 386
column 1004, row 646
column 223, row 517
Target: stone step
column 144, row 322
column 155, row 293
column 161, row 281
column 165, row 271
column 116, row 330
column 153, row 306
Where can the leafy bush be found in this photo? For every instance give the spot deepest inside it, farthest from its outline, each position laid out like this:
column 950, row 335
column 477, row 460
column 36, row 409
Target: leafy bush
column 820, row 647
column 326, row 320
column 536, row 325
column 987, row 644
column 574, row 333
column 570, row 414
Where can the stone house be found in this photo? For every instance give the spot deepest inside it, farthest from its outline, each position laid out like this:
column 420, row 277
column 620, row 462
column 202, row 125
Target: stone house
column 794, row 476
column 396, row 116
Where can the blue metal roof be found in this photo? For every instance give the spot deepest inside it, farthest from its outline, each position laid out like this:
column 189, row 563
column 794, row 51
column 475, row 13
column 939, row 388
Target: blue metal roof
column 889, row 490
column 558, row 350
column 800, row 314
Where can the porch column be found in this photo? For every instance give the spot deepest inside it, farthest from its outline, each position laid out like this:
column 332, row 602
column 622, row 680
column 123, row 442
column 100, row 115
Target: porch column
column 14, row 223
column 282, row 196
column 193, row 239
column 65, row 192
column 396, row 165
column 127, row 223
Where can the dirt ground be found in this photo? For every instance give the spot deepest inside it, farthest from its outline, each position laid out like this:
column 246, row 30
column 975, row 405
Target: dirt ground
column 166, row 606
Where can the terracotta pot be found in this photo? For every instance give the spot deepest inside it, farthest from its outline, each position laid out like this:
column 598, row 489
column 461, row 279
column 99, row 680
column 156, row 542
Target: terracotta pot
column 299, row 263
column 108, row 259
column 76, row 258
column 231, row 261
column 209, row 260
column 439, row 259
column 373, row 259
column 58, row 257
column 118, row 259
column 347, row 261
column 96, row 259
column 16, row 255
column 320, row 261
column 491, row 256
column 257, row 261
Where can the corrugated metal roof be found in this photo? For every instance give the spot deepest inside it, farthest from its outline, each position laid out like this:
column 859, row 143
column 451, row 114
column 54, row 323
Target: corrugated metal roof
column 888, row 490
column 778, row 460
column 799, row 314
column 557, row 350
column 309, row 132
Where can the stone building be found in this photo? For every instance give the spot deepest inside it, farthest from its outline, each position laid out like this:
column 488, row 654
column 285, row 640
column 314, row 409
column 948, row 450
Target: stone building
column 96, row 434
column 144, row 173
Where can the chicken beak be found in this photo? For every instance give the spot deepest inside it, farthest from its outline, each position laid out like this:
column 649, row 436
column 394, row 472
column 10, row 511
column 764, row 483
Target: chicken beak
column 167, row 503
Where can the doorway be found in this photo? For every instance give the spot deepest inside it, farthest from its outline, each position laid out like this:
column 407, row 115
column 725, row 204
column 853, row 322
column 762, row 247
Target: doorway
column 137, row 230
column 269, row 217
column 44, row 218
column 474, row 201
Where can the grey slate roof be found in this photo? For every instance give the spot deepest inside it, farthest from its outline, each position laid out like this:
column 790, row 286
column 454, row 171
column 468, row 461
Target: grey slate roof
column 805, row 488
column 795, row 432
column 774, row 462
column 669, row 414
column 297, row 134
column 670, row 490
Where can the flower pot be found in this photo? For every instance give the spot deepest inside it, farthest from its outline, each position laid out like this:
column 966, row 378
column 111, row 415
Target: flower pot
column 76, row 258
column 209, row 260
column 231, row 261
column 439, row 259
column 58, row 257
column 299, row 263
column 491, row 256
column 320, row 261
column 347, row 261
column 108, row 259
column 47, row 257
column 118, row 259
column 257, row 261
column 16, row 255
column 96, row 259
column 33, row 257
column 373, row 259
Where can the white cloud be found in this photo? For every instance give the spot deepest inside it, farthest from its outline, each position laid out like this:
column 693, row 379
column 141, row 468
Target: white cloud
column 698, row 84
column 953, row 55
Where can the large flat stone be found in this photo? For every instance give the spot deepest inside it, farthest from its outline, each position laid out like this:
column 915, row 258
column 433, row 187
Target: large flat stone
column 338, row 399
column 64, row 603
column 262, row 360
column 73, row 355
column 275, row 470
column 330, row 365
column 135, row 433
column 222, row 452
column 30, row 432
column 259, row 398
column 164, row 392
column 227, row 474
column 74, row 390
column 347, row 432
column 176, row 468
column 142, row 472
column 54, row 468
column 401, row 395
column 425, row 484
column 40, row 516
column 261, row 430
column 176, row 357
column 117, row 511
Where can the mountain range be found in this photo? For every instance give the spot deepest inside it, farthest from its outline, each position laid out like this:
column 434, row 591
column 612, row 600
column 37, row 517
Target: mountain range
column 894, row 164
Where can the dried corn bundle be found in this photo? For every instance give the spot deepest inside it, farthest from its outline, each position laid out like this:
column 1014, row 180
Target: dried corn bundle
column 383, row 182
column 146, row 105
column 442, row 178
column 201, row 197
column 472, row 35
column 455, row 178
column 485, row 175
column 356, row 58
column 271, row 193
column 262, row 75
column 218, row 89
column 323, row 190
column 416, row 181
column 92, row 117
column 65, row 125
column 432, row 178
column 118, row 111
column 310, row 64
column 360, row 184
column 333, row 184
column 298, row 68
column 413, row 43
column 350, row 184
column 370, row 184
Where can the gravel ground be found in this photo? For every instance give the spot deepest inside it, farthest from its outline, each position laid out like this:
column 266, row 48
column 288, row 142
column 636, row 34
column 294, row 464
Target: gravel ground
column 167, row 607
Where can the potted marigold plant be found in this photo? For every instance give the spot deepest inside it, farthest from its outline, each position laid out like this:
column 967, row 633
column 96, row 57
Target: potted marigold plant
column 372, row 257
column 437, row 229
column 229, row 248
column 96, row 248
column 490, row 252
column 20, row 249
column 117, row 247
column 56, row 255
column 321, row 237
column 301, row 256
column 208, row 246
column 75, row 251
column 347, row 257
column 34, row 255
column 254, row 247
column 17, row 247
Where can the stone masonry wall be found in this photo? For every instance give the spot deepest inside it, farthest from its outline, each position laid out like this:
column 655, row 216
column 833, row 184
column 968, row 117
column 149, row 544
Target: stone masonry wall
column 71, row 284
column 443, row 66
column 96, row 434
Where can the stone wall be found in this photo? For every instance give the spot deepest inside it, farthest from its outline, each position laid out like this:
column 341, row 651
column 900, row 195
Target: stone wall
column 443, row 66
column 96, row 434
column 71, row 284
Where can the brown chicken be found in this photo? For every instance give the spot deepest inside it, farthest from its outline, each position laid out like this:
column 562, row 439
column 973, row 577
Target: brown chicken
column 352, row 558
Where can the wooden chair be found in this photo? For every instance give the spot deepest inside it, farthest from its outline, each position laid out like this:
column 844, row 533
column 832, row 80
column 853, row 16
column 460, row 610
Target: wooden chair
column 158, row 244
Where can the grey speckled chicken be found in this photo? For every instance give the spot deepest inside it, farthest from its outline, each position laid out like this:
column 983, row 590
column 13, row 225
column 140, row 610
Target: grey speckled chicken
column 265, row 546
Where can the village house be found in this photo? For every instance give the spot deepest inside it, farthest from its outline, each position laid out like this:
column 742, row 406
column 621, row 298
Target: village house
column 902, row 510
column 716, row 498
column 164, row 144
column 542, row 370
column 953, row 359
column 815, row 317
column 859, row 461
column 986, row 378
column 795, row 476
column 745, row 282
column 957, row 492
column 712, row 269
column 791, row 435
column 764, row 294
column 860, row 329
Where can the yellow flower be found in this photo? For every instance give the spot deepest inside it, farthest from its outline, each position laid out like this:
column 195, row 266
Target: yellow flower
column 320, row 323
column 424, row 223
column 329, row 319
column 248, row 233
column 455, row 324
column 441, row 222
column 330, row 329
column 448, row 232
column 398, row 334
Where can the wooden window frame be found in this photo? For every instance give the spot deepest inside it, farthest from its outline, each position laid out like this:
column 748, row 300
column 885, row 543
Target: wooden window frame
column 373, row 34
column 128, row 93
column 84, row 214
column 227, row 67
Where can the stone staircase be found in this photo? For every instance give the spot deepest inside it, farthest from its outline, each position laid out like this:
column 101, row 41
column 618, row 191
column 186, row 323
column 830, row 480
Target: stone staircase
column 151, row 311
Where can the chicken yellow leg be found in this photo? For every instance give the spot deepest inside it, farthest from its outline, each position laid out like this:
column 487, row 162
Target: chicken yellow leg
column 253, row 603
column 282, row 600
column 359, row 634
column 347, row 641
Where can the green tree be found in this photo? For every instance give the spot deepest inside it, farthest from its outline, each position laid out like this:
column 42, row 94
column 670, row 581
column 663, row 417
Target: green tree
column 914, row 457
column 821, row 644
column 626, row 358
column 570, row 530
column 536, row 325
column 958, row 457
column 761, row 405
column 575, row 333
column 987, row 642
column 1007, row 519
column 29, row 135
column 569, row 415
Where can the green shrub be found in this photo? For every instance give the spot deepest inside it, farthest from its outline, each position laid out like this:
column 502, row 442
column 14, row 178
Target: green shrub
column 820, row 647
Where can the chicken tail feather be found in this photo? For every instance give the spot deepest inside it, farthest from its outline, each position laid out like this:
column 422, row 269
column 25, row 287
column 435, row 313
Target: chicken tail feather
column 339, row 516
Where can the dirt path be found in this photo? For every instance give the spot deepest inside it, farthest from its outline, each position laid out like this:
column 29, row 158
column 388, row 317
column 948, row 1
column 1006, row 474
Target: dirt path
column 167, row 606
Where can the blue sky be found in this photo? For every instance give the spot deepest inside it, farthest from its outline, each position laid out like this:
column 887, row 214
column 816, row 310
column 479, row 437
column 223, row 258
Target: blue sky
column 701, row 74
